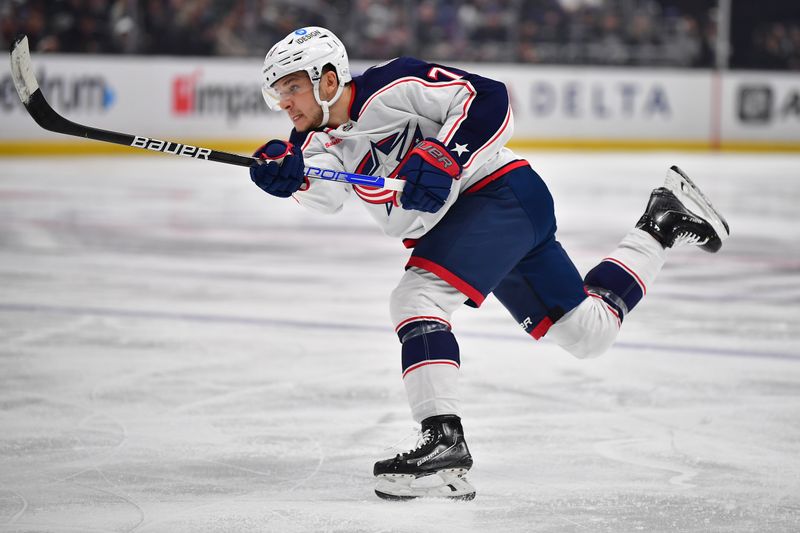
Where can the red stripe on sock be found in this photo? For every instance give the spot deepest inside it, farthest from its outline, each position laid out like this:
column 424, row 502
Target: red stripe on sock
column 426, row 363
column 629, row 271
column 416, row 318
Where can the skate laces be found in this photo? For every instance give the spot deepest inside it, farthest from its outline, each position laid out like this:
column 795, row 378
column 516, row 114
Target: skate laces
column 687, row 237
column 422, row 438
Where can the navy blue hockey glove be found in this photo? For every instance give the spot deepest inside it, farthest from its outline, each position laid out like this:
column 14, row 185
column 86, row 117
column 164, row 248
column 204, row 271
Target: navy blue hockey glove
column 281, row 171
column 429, row 170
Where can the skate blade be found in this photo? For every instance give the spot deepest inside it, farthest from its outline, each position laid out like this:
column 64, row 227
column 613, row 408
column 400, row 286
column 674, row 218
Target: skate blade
column 693, row 198
column 449, row 484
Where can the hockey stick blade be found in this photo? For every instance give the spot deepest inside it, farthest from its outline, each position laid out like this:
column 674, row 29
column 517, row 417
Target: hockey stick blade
column 40, row 110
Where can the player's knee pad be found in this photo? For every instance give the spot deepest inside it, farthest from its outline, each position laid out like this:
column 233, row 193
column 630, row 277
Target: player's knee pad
column 428, row 343
column 587, row 331
column 595, row 347
column 423, row 296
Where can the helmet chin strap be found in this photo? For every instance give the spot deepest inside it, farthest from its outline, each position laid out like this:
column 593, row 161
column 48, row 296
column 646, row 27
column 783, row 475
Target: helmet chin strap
column 326, row 105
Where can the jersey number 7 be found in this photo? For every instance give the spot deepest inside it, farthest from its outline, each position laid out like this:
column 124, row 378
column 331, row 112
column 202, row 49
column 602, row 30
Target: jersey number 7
column 434, row 72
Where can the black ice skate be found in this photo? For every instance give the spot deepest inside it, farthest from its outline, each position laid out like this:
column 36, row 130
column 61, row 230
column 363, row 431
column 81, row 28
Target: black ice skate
column 679, row 213
column 436, row 468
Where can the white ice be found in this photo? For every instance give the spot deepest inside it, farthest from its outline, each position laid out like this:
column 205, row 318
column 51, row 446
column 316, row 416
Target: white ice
column 180, row 352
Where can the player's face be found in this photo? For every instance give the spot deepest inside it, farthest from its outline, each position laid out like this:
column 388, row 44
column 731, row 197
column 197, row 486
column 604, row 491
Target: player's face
column 296, row 96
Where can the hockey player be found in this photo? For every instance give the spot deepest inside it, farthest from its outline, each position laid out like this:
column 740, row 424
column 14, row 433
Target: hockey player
column 478, row 218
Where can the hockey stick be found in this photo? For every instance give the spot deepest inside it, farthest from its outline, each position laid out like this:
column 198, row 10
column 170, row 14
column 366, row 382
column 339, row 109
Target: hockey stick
column 41, row 111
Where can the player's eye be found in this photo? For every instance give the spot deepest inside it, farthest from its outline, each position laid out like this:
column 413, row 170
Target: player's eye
column 291, row 90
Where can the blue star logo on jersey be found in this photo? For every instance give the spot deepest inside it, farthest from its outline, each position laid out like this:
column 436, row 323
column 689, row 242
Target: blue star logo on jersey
column 381, row 159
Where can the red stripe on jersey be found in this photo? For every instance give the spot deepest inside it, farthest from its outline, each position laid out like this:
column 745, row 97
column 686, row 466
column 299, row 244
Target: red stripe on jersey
column 360, row 167
column 381, row 197
column 433, row 362
column 499, row 173
column 462, row 286
column 462, row 118
column 370, row 191
column 308, row 140
column 416, row 80
column 496, row 135
column 541, row 328
column 306, row 184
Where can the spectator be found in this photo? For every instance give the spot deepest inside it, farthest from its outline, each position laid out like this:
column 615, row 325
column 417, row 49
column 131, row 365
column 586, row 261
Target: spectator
column 608, row 32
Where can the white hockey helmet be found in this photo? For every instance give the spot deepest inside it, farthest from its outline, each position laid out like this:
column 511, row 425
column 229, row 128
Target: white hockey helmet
column 308, row 49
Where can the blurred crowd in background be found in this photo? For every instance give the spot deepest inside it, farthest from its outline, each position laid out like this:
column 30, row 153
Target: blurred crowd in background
column 679, row 33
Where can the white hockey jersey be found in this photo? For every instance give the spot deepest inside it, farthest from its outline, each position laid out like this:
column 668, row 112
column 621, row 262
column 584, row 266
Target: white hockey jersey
column 394, row 106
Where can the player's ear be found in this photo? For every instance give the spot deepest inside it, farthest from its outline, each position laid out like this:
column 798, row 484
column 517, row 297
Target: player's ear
column 329, row 81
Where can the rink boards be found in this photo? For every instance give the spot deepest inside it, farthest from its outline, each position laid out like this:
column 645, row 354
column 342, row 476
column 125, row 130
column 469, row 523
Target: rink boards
column 217, row 101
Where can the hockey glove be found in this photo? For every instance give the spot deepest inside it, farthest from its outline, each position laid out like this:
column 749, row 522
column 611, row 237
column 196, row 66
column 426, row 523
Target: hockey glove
column 429, row 170
column 280, row 171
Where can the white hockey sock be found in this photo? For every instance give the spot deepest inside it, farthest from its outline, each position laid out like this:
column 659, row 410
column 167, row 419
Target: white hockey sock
column 432, row 390
column 640, row 254
column 617, row 284
column 622, row 278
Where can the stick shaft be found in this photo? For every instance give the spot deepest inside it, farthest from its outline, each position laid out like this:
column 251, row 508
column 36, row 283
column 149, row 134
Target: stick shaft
column 47, row 117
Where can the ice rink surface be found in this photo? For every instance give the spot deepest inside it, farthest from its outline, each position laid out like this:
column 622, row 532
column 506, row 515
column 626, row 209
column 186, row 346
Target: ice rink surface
column 180, row 352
